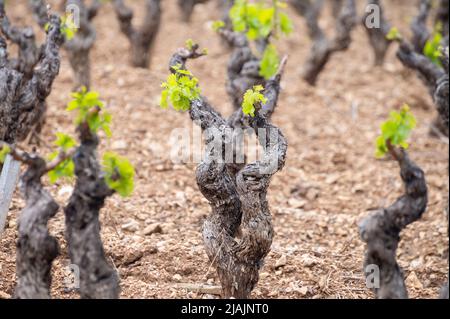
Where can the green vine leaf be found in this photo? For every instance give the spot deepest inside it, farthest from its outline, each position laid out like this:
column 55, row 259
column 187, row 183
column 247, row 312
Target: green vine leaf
column 251, row 98
column 119, row 173
column 432, row 48
column 85, row 103
column 396, row 130
column 394, row 34
column 269, row 62
column 66, row 169
column 67, row 28
column 5, row 150
column 179, row 90
column 259, row 20
column 217, row 25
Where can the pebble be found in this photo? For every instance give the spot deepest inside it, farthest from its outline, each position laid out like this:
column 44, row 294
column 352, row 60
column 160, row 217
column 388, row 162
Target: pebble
column 131, row 226
column 282, row 261
column 152, row 229
column 4, row 295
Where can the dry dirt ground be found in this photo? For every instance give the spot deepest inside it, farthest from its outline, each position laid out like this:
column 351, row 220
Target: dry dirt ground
column 331, row 179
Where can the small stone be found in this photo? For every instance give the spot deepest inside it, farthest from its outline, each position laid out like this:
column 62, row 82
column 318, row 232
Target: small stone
column 416, row 263
column 307, row 260
column 177, row 277
column 65, row 190
column 131, row 226
column 4, row 295
column 331, row 179
column 413, row 281
column 303, row 291
column 282, row 261
column 141, row 217
column 312, row 194
column 296, row 203
column 119, row 145
column 152, row 229
column 12, row 223
column 132, row 257
column 263, row 275
column 180, row 199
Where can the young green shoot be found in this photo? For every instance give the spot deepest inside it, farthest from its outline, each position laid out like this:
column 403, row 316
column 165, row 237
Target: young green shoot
column 394, row 34
column 253, row 99
column 270, row 62
column 89, row 105
column 260, row 21
column 432, row 49
column 68, row 27
column 395, row 130
column 119, row 174
column 65, row 169
column 180, row 89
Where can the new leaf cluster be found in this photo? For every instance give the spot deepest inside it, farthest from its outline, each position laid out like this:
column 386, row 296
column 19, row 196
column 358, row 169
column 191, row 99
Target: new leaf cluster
column 252, row 99
column 89, row 105
column 180, row 89
column 259, row 21
column 396, row 130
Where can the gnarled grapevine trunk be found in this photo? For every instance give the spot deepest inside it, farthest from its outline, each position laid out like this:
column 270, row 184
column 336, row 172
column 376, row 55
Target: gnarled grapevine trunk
column 237, row 199
column 79, row 47
column 36, row 248
column 377, row 33
column 22, row 99
column 141, row 39
column 24, row 38
column 98, row 279
column 381, row 230
column 411, row 55
column 323, row 48
column 428, row 72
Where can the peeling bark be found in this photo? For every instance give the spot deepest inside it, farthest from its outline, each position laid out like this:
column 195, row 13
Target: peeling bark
column 36, row 248
column 141, row 39
column 98, row 279
column 377, row 35
column 238, row 233
column 25, row 39
column 22, row 99
column 323, row 48
column 381, row 230
column 187, row 8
